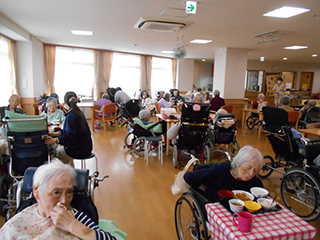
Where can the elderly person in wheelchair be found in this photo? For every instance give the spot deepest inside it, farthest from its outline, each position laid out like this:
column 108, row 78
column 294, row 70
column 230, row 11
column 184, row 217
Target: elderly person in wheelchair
column 240, row 174
column 52, row 217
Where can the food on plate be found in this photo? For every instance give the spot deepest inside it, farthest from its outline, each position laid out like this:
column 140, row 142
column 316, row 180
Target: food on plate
column 252, row 206
column 267, row 203
column 242, row 196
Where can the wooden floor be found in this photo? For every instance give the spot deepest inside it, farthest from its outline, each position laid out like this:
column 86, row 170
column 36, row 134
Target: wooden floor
column 138, row 197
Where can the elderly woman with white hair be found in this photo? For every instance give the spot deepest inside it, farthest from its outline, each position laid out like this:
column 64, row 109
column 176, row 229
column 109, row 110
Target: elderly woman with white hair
column 52, row 217
column 240, row 174
column 53, row 113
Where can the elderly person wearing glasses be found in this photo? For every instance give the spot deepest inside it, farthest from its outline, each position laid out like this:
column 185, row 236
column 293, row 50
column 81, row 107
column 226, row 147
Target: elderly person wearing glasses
column 52, row 217
column 240, row 174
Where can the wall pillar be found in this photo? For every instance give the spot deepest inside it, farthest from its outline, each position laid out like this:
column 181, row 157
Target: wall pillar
column 230, row 65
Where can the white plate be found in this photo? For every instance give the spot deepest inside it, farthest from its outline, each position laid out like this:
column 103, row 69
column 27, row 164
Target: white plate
column 249, row 195
column 259, row 192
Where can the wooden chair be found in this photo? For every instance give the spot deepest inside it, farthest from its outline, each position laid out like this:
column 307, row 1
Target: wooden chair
column 111, row 109
column 293, row 118
column 228, row 108
column 158, row 107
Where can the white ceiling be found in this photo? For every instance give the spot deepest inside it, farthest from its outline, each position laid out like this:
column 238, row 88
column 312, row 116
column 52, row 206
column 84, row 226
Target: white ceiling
column 228, row 23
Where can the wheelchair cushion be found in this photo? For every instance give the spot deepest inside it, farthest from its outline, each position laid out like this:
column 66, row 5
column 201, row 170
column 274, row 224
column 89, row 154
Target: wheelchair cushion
column 156, row 129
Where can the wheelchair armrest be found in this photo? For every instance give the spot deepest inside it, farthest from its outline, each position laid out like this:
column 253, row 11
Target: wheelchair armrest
column 153, row 125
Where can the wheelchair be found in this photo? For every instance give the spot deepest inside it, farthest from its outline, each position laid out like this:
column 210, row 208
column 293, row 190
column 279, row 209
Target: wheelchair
column 221, row 135
column 26, row 144
column 82, row 194
column 191, row 220
column 192, row 133
column 300, row 184
column 137, row 133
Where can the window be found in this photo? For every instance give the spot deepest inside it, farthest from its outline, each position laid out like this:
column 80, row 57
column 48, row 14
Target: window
column 74, row 71
column 161, row 75
column 125, row 73
column 254, row 81
column 6, row 87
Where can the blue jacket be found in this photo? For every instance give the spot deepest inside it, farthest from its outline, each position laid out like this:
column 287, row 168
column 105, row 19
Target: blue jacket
column 77, row 143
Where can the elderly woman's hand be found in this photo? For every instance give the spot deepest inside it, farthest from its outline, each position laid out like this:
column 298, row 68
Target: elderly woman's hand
column 64, row 219
column 50, row 140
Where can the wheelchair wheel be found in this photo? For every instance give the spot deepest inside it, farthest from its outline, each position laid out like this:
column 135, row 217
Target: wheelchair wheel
column 138, row 146
column 190, row 221
column 129, row 140
column 251, row 122
column 175, row 156
column 235, row 147
column 300, row 193
column 266, row 169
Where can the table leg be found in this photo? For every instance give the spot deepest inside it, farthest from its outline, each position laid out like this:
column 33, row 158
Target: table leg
column 168, row 140
column 243, row 120
column 92, row 118
column 260, row 127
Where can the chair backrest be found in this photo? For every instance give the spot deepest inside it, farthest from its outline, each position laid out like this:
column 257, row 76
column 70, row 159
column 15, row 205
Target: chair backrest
column 158, row 107
column 312, row 115
column 110, row 108
column 81, row 200
column 293, row 118
column 228, row 108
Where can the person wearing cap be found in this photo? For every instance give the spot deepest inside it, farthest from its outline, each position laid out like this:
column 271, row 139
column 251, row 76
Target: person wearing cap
column 278, row 91
column 166, row 102
column 216, row 102
column 75, row 137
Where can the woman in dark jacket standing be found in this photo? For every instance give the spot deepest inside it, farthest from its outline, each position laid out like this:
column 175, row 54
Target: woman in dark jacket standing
column 75, row 135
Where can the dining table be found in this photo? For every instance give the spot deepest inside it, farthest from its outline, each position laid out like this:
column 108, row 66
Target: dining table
column 245, row 115
column 169, row 122
column 312, row 131
column 276, row 225
column 90, row 105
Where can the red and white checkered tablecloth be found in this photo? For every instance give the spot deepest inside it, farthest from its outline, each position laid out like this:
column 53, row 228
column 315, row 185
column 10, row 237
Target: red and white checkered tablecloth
column 278, row 225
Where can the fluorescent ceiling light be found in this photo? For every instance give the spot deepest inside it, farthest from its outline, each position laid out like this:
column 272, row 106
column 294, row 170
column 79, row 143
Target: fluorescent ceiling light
column 295, row 47
column 285, row 58
column 165, row 51
column 80, row 32
column 314, row 55
column 200, row 41
column 203, row 60
column 286, row 12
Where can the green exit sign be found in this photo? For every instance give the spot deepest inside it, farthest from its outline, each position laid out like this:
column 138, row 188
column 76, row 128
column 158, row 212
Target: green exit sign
column 191, row 7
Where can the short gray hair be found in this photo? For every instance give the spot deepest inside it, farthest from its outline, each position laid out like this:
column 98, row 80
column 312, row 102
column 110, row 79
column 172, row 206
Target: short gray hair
column 247, row 153
column 54, row 169
column 52, row 99
column 285, row 100
column 144, row 113
column 312, row 103
column 166, row 96
column 14, row 95
column 105, row 96
column 216, row 93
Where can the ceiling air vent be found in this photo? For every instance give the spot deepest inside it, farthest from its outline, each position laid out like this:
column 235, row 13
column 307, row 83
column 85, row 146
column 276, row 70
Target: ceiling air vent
column 159, row 25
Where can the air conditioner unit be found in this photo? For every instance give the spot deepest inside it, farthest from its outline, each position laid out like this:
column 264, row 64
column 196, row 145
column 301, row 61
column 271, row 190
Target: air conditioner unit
column 159, row 25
